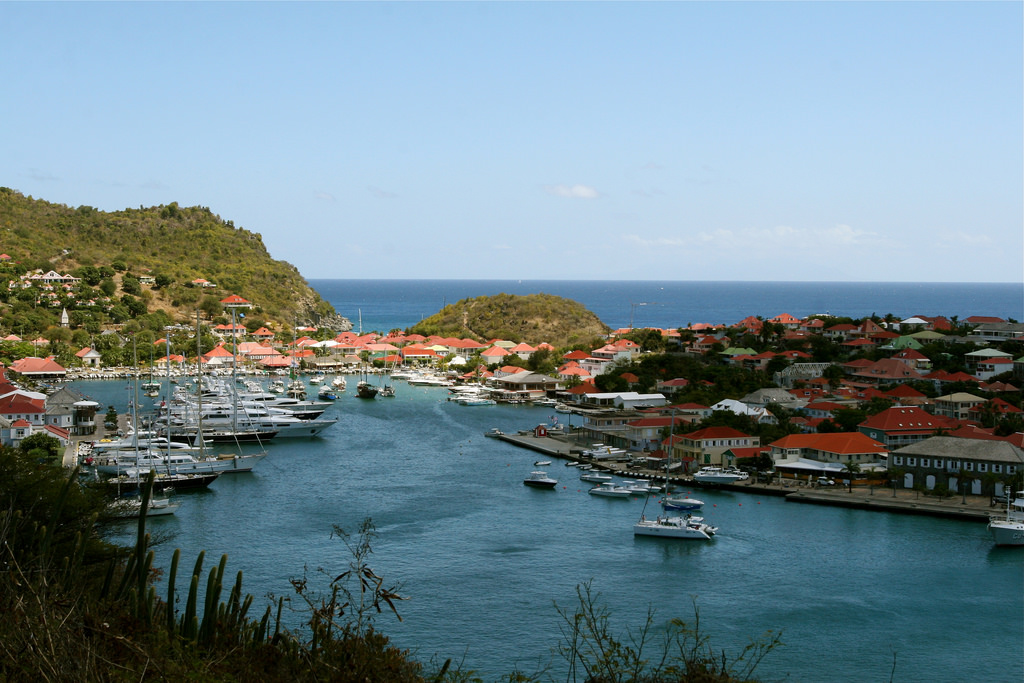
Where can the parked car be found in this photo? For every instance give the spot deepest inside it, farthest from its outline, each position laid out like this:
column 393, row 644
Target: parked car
column 825, row 481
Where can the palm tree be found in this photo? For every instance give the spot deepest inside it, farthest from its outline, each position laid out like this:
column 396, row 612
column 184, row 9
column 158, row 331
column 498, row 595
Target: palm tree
column 963, row 480
column 896, row 474
column 851, row 468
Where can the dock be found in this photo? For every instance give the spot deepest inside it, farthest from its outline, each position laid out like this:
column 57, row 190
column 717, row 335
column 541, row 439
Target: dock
column 901, row 501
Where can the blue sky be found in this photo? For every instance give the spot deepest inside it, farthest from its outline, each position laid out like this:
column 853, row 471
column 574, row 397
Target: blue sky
column 539, row 140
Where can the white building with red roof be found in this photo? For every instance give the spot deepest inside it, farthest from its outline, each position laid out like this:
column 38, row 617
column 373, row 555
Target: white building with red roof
column 494, row 354
column 23, row 405
column 90, row 357
column 840, row 447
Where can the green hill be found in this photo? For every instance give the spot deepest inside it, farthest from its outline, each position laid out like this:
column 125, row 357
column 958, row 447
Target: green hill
column 534, row 318
column 172, row 244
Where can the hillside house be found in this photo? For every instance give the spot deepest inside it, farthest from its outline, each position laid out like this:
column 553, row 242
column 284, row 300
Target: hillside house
column 956, row 406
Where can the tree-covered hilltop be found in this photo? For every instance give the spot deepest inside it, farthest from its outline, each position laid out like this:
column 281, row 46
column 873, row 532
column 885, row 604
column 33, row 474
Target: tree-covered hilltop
column 164, row 247
column 533, row 318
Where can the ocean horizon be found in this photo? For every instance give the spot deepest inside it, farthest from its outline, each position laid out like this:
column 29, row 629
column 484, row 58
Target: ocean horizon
column 385, row 304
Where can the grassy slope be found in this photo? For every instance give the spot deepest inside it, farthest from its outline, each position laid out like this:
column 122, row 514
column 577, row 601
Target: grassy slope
column 182, row 243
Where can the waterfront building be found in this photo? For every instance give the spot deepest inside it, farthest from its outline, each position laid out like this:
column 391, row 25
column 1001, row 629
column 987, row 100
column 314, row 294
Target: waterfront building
column 607, row 426
column 942, row 459
column 61, row 408
column 39, row 368
column 531, row 384
column 837, row 448
column 708, row 446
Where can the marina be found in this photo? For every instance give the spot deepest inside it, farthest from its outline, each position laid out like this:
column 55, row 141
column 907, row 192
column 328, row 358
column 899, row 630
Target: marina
column 466, row 538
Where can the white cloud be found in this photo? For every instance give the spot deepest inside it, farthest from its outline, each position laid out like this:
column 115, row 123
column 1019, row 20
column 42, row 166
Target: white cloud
column 573, row 191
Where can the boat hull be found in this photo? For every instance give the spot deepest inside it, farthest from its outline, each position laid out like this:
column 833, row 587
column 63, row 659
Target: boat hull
column 240, row 463
column 540, row 480
column 162, row 482
column 674, row 527
column 682, row 504
column 609, row 492
column 1007, row 533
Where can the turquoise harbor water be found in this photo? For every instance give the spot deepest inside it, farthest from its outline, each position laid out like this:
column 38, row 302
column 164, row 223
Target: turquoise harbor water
column 485, row 559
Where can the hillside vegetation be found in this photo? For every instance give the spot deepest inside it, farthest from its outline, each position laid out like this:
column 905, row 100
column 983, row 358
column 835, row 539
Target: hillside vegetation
column 534, row 318
column 177, row 245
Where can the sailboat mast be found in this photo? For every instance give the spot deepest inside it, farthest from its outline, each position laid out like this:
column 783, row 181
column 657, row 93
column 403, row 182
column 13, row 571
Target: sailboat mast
column 167, row 408
column 199, row 385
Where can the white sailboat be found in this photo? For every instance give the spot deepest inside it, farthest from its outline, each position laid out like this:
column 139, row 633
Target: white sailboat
column 685, row 527
column 688, row 527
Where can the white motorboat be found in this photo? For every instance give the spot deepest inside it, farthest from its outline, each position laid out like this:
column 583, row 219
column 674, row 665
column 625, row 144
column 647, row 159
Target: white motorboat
column 476, row 401
column 142, row 441
column 683, row 504
column 610, row 490
column 541, row 463
column 641, row 487
column 540, row 480
column 494, row 433
column 425, row 380
column 600, row 451
column 718, row 475
column 688, row 528
column 1008, row 529
column 249, row 417
column 595, row 477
